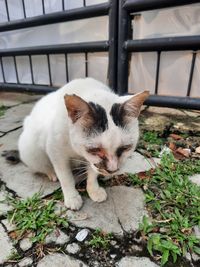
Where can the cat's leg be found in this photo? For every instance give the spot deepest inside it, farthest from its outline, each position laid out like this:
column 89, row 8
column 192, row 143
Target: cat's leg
column 62, row 169
column 96, row 192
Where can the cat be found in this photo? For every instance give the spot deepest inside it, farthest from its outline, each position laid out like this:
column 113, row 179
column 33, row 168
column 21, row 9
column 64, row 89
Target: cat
column 84, row 122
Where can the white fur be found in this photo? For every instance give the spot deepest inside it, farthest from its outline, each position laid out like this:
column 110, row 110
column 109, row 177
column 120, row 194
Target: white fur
column 49, row 139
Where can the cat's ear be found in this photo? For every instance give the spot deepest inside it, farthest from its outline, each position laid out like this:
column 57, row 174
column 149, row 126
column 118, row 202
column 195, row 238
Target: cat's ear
column 78, row 109
column 131, row 107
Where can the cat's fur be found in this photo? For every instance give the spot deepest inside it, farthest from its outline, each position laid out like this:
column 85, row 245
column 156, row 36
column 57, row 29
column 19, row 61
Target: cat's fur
column 82, row 120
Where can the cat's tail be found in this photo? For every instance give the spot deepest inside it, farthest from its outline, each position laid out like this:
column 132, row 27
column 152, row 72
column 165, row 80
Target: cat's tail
column 11, row 156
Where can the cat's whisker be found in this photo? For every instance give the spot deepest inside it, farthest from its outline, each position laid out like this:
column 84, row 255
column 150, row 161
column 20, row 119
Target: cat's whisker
column 81, row 174
column 79, row 160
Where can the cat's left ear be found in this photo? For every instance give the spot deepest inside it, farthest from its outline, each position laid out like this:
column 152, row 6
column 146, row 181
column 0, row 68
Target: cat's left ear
column 133, row 105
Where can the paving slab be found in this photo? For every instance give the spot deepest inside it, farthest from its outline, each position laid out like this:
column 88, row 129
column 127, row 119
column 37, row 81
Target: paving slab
column 4, row 207
column 60, row 260
column 12, row 99
column 6, row 244
column 136, row 262
column 122, row 211
column 14, row 117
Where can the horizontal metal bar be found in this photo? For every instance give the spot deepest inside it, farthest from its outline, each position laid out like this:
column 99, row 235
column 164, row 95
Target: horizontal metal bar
column 153, row 100
column 26, row 88
column 164, row 44
column 144, row 5
column 99, row 46
column 57, row 17
column 173, row 102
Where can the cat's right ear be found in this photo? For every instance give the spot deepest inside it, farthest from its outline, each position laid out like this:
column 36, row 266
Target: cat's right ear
column 78, row 109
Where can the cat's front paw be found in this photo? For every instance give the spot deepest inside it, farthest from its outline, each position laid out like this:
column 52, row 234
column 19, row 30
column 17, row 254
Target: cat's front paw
column 98, row 195
column 73, row 202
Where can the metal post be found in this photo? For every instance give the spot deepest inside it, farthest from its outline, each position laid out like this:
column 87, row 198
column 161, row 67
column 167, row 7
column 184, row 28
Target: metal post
column 124, row 34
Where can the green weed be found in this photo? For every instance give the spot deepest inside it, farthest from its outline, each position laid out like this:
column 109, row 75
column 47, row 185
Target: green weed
column 100, row 239
column 2, row 110
column 173, row 203
column 35, row 215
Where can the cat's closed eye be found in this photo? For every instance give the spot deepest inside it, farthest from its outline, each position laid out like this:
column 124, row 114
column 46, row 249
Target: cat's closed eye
column 122, row 149
column 97, row 151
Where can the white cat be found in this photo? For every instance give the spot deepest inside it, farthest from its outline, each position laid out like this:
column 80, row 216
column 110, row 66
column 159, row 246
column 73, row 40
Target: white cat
column 84, row 121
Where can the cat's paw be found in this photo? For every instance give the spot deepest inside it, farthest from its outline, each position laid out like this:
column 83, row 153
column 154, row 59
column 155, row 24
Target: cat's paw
column 98, row 195
column 74, row 202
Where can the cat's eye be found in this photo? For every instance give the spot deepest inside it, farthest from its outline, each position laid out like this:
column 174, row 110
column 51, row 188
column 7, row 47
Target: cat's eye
column 94, row 150
column 122, row 149
column 97, row 151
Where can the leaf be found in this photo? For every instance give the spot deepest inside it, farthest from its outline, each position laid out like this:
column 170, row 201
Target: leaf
column 165, row 257
column 150, row 246
column 196, row 250
column 176, row 136
column 174, row 256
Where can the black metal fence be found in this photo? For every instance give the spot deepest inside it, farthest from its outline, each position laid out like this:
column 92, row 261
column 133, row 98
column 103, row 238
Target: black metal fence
column 110, row 8
column 126, row 46
column 119, row 45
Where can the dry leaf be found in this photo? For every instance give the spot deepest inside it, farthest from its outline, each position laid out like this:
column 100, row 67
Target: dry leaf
column 184, row 151
column 176, row 136
column 172, row 146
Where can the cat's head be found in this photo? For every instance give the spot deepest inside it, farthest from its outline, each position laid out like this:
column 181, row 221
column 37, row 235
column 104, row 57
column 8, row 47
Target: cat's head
column 104, row 136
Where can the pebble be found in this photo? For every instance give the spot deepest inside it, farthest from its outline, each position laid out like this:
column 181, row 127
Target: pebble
column 113, row 242
column 197, row 150
column 81, row 236
column 25, row 262
column 113, row 256
column 57, row 237
column 25, row 244
column 73, row 248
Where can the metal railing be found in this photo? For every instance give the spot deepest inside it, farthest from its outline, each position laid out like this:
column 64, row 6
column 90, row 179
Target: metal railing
column 126, row 46
column 110, row 8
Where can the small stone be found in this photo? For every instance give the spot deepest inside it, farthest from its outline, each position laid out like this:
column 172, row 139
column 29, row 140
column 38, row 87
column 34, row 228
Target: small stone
column 195, row 257
column 195, row 179
column 113, row 242
column 95, row 264
column 81, row 236
column 197, row 231
column 197, row 150
column 113, row 256
column 60, row 209
column 4, row 207
column 25, row 244
column 60, row 260
column 73, row 248
column 25, row 262
column 136, row 248
column 188, row 256
column 6, row 244
column 136, row 262
column 9, row 226
column 57, row 237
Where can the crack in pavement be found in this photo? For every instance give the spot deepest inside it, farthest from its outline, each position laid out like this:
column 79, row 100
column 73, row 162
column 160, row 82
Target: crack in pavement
column 12, row 130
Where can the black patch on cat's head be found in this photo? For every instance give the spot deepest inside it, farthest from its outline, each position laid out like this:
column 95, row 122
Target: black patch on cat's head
column 100, row 121
column 117, row 113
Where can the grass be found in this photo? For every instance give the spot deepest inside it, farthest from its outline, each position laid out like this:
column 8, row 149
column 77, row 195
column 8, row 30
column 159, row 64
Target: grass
column 35, row 215
column 173, row 203
column 2, row 110
column 100, row 240
column 151, row 142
